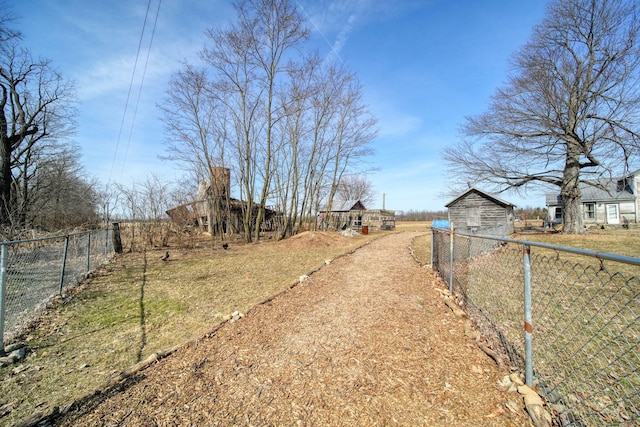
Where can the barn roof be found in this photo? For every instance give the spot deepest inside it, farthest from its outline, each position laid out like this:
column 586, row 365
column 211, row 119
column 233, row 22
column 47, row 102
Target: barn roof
column 484, row 194
column 346, row 206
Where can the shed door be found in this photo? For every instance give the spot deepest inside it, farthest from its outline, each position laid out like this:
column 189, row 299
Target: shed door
column 473, row 216
column 612, row 214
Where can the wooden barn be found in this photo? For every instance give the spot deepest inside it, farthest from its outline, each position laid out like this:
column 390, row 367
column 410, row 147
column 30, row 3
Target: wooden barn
column 476, row 211
column 341, row 216
column 213, row 211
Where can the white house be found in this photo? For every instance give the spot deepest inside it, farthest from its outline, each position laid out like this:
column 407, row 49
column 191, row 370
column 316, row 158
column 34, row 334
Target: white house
column 605, row 201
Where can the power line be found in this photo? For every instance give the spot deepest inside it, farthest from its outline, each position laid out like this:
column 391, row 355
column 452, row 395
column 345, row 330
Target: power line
column 144, row 72
column 133, row 73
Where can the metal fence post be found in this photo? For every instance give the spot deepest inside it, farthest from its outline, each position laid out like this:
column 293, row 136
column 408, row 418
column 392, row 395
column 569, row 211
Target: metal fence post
column 3, row 288
column 433, row 238
column 88, row 252
column 64, row 262
column 528, row 328
column 451, row 257
column 106, row 243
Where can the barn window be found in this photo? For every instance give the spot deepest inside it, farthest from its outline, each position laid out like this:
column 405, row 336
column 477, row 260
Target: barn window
column 590, row 211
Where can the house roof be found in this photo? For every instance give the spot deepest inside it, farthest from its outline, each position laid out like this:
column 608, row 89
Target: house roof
column 346, row 206
column 602, row 190
column 484, row 194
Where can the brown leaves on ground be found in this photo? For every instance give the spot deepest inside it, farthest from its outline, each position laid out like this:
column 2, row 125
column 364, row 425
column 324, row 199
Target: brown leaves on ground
column 366, row 340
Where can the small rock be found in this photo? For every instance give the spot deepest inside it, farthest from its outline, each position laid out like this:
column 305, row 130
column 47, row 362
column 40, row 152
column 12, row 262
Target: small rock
column 303, row 278
column 513, row 406
column 4, row 361
column 18, row 354
column 505, row 383
column 327, row 261
column 535, row 407
column 515, row 378
column 533, row 399
column 470, row 331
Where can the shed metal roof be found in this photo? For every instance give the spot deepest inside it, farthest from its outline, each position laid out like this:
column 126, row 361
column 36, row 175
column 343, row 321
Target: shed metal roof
column 346, row 206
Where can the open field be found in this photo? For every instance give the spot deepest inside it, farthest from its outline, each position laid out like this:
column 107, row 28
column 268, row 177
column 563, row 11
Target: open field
column 139, row 305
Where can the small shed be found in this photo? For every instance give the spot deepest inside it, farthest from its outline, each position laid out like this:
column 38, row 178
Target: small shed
column 476, row 211
column 342, row 215
column 379, row 219
column 352, row 214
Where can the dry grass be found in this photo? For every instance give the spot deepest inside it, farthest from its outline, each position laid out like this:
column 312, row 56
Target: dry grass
column 413, row 225
column 584, row 312
column 612, row 240
column 139, row 305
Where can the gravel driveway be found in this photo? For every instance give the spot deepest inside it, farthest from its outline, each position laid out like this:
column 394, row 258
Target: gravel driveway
column 364, row 341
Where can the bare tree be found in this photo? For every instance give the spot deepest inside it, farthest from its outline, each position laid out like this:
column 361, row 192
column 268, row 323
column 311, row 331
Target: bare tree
column 356, row 187
column 569, row 111
column 248, row 60
column 196, row 135
column 288, row 125
column 59, row 195
column 144, row 204
column 36, row 107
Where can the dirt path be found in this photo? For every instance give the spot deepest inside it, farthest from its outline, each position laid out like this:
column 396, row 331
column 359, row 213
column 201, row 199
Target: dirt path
column 366, row 340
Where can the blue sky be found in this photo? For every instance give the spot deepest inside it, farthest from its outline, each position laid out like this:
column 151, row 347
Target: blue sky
column 424, row 65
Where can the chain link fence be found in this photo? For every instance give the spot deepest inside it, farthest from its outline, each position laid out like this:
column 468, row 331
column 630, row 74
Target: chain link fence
column 580, row 342
column 34, row 271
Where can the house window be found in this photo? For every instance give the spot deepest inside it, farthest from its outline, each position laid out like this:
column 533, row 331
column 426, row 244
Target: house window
column 590, row 211
column 558, row 213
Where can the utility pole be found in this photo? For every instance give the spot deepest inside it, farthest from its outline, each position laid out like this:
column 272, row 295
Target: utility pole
column 384, row 195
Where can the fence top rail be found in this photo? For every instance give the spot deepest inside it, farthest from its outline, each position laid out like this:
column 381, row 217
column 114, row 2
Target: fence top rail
column 39, row 239
column 587, row 252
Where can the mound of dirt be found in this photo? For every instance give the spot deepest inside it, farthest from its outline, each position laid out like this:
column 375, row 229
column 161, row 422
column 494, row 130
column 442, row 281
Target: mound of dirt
column 314, row 238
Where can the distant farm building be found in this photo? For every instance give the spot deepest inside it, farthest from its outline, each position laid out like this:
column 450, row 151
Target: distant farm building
column 476, row 211
column 352, row 214
column 214, row 211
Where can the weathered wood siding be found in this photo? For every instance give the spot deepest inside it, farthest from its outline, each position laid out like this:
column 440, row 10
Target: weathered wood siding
column 379, row 219
column 476, row 213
